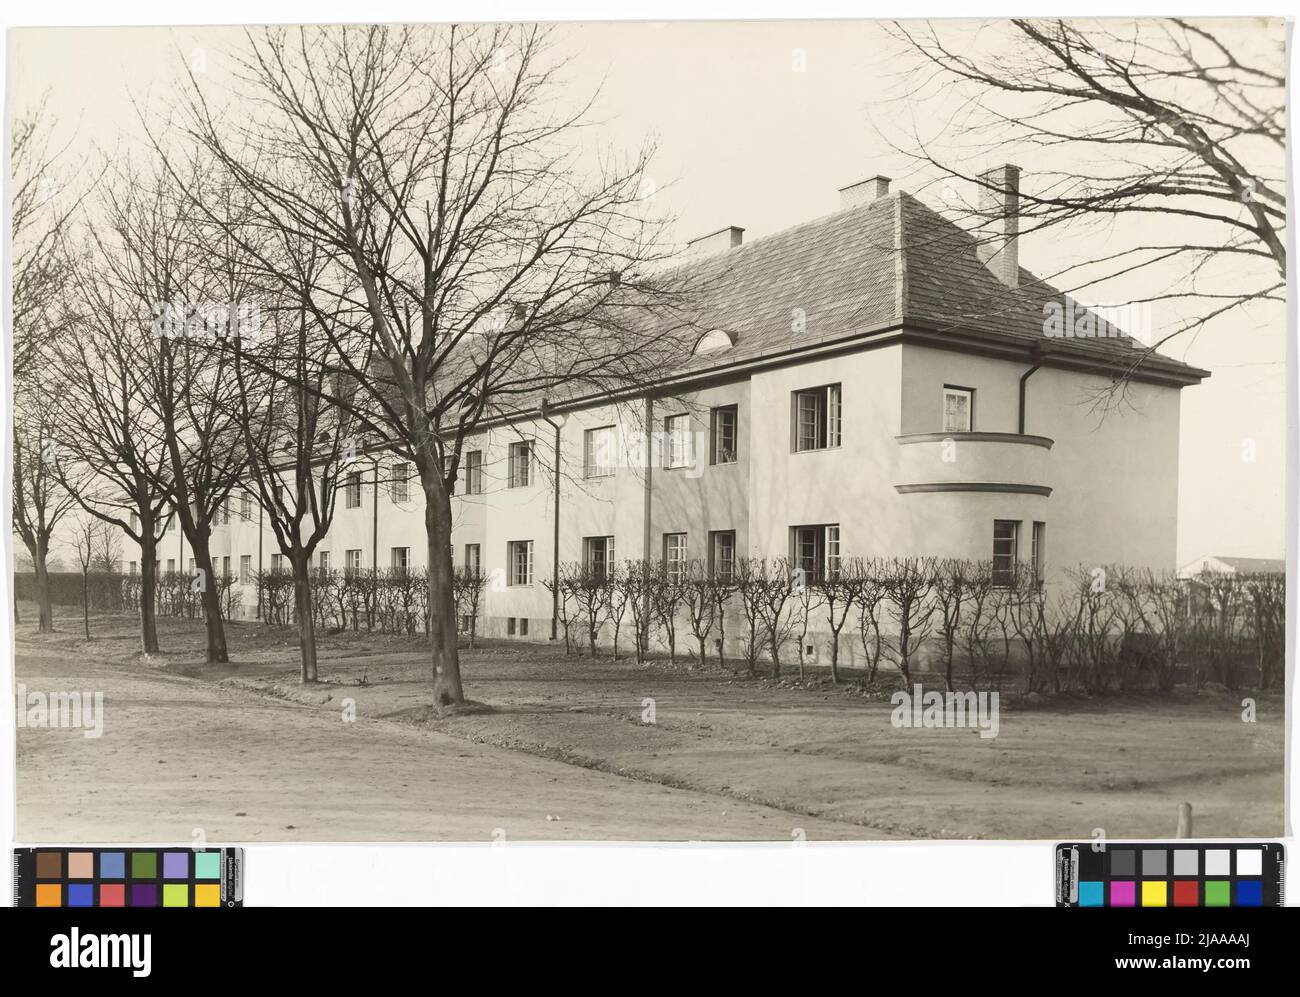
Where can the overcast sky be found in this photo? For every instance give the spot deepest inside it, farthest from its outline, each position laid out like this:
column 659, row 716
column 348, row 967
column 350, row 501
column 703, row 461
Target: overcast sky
column 757, row 124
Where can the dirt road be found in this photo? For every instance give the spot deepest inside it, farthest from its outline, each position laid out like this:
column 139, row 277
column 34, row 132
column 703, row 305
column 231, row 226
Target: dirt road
column 178, row 755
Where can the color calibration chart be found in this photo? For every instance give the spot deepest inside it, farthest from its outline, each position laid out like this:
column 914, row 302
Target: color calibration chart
column 129, row 877
column 1170, row 875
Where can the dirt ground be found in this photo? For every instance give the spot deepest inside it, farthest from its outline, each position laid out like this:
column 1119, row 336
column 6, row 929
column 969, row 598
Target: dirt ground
column 563, row 752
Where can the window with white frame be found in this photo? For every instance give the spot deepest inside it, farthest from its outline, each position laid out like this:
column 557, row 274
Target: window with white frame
column 225, row 567
column 277, row 562
column 675, row 556
column 474, row 472
column 1039, row 549
column 245, row 568
column 352, row 490
column 723, row 447
column 352, row 559
column 520, row 558
column 400, row 560
column 722, row 555
column 1006, row 536
column 323, row 562
column 958, row 409
column 817, row 418
column 245, row 505
column 473, row 560
column 598, row 452
column 817, row 551
column 598, row 554
column 400, row 479
column 521, row 456
column 678, row 442
column 132, row 568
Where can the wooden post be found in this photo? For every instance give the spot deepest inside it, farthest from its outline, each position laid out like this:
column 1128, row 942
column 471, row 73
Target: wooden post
column 1184, row 820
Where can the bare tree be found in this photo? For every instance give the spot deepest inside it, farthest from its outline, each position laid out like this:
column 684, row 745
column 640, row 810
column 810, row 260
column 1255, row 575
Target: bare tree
column 840, row 593
column 495, row 272
column 40, row 500
column 1147, row 119
column 909, row 588
column 701, row 606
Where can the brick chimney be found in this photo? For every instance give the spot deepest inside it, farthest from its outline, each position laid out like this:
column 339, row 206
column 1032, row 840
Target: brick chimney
column 1000, row 226
column 863, row 192
column 716, row 242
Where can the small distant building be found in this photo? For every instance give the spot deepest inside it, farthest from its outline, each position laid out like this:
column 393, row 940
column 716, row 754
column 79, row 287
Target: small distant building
column 1218, row 564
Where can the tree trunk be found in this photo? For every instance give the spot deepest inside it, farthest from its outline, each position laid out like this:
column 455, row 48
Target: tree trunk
column 148, row 584
column 43, row 600
column 85, row 601
column 306, row 624
column 211, row 601
column 835, row 656
column 447, row 688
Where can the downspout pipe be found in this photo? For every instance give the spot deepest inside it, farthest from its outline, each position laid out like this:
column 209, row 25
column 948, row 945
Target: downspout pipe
column 1038, row 362
column 555, row 524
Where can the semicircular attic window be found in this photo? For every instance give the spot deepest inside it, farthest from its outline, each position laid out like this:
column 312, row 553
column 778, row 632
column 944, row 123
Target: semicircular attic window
column 714, row 342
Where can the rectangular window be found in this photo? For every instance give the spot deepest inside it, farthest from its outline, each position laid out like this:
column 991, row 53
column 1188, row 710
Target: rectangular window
column 598, row 452
column 523, row 626
column 1006, row 534
column 171, row 564
column 400, row 560
column 1039, row 552
column 225, row 567
column 132, row 567
column 246, row 505
column 510, row 626
column 598, row 553
column 352, row 559
column 401, row 481
column 277, row 562
column 817, row 551
column 958, row 409
column 245, row 568
column 352, row 490
column 474, row 472
column 473, row 560
column 722, row 449
column 678, row 442
column 224, row 511
column 324, row 562
column 675, row 556
column 520, row 558
column 722, row 555
column 521, row 455
column 135, row 522
column 817, row 418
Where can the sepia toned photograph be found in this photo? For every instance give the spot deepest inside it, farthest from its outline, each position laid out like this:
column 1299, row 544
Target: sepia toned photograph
column 757, row 431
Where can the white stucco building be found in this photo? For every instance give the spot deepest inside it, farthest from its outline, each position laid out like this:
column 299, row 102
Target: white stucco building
column 877, row 383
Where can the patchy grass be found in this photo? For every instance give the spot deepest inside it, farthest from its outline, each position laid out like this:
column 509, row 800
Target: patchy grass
column 1059, row 768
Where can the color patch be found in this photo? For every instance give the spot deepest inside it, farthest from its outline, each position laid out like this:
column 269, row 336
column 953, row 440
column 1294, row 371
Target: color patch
column 1155, row 893
column 207, row 865
column 1250, row 893
column 1092, row 894
column 112, row 895
column 81, row 865
column 112, row 865
column 1250, row 862
column 207, row 895
column 1218, row 862
column 144, row 895
column 1187, row 862
column 81, row 895
column 176, row 865
column 49, row 895
column 1123, row 893
column 1217, row 893
column 1154, row 863
column 1187, row 893
column 144, row 865
column 176, row 895
column 1123, row 862
column 49, row 865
